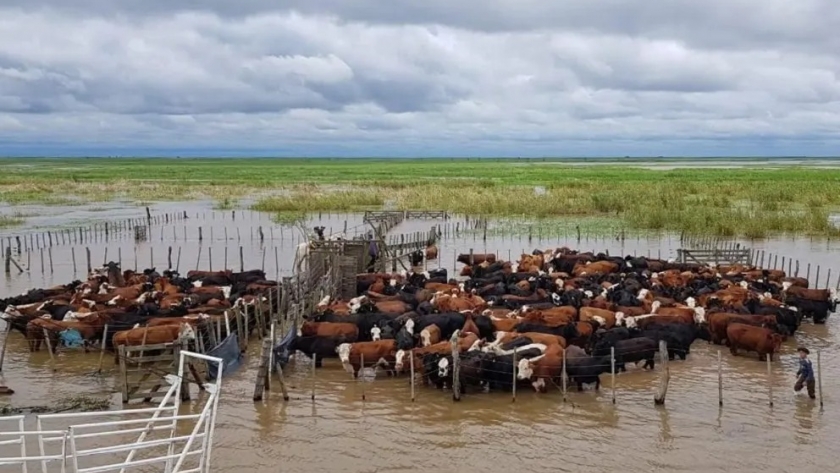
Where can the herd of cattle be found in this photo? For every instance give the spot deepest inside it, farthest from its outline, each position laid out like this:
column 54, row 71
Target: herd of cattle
column 551, row 311
column 137, row 308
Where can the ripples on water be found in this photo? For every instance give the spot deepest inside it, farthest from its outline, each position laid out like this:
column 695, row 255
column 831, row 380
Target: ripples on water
column 488, row 432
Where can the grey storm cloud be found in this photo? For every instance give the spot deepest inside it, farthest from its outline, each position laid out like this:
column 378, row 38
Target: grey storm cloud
column 490, row 77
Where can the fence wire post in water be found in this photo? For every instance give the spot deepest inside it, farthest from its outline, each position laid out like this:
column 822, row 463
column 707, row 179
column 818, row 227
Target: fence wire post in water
column 178, row 261
column 819, row 377
column 659, row 399
column 769, row 359
column 314, row 357
column 5, row 344
column 49, row 347
column 410, row 366
column 151, row 257
column 612, row 371
column 73, row 255
column 360, row 376
column 210, row 256
column 456, row 364
column 102, row 348
column 513, row 382
column 241, row 261
column 169, row 258
column 135, row 259
column 720, row 380
column 563, row 375
column 87, row 254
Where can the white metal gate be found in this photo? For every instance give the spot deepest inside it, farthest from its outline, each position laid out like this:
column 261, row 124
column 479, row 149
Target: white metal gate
column 168, row 441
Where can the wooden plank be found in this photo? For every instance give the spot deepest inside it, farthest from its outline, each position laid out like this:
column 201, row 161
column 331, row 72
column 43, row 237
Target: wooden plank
column 151, row 359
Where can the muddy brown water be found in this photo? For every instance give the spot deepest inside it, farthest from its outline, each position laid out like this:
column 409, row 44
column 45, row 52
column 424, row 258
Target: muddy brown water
column 484, row 432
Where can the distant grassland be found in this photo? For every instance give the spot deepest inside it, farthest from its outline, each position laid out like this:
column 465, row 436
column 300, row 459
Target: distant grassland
column 752, row 202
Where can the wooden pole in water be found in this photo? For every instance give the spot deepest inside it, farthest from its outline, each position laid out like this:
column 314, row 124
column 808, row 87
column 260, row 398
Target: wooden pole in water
column 49, row 347
column 151, row 257
column 5, row 344
column 563, row 376
column 42, row 260
column 276, row 263
column 73, row 254
column 87, row 255
column 313, row 376
column 8, row 259
column 241, row 261
column 178, row 261
column 410, row 365
column 456, row 381
column 49, row 253
column 102, row 348
column 720, row 380
column 210, row 256
column 819, row 377
column 769, row 379
column 226, row 265
column 169, row 258
column 612, row 371
column 513, row 381
column 659, row 398
column 198, row 259
column 135, row 258
column 360, row 377
column 828, row 279
column 263, row 260
column 817, row 278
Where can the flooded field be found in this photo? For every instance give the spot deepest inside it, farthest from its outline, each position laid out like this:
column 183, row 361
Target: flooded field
column 387, row 432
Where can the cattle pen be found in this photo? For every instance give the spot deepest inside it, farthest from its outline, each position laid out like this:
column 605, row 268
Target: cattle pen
column 307, row 390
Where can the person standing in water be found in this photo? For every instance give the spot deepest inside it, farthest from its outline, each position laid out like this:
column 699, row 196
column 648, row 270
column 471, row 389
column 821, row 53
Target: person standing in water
column 805, row 375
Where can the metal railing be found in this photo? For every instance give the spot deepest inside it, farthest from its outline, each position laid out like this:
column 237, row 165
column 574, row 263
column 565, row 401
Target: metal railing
column 75, row 428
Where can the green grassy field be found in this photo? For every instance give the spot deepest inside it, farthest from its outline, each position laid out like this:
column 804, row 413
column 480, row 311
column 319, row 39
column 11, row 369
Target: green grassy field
column 752, row 202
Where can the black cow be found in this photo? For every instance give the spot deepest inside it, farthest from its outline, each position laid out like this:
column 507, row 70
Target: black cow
column 448, row 323
column 431, row 369
column 626, row 351
column 318, row 347
column 586, row 369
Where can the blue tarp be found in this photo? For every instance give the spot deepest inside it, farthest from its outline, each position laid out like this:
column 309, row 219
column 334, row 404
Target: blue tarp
column 229, row 352
column 283, row 351
column 71, row 338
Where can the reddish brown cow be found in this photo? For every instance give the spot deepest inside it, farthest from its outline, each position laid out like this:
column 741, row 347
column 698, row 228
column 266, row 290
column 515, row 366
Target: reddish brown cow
column 35, row 332
column 194, row 274
column 151, row 336
column 604, row 318
column 431, row 252
column 544, row 368
column 346, row 331
column 758, row 339
column 477, row 258
column 380, row 352
column 430, row 335
column 597, row 267
column 718, row 323
column 809, row 294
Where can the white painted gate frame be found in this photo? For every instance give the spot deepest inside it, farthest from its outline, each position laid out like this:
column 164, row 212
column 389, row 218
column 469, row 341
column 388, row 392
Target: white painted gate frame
column 166, row 413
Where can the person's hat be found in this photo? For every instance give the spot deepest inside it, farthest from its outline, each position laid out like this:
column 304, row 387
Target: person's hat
column 803, row 350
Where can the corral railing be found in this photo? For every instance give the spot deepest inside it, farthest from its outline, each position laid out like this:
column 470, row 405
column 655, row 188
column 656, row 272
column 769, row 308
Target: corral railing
column 715, row 256
column 95, row 442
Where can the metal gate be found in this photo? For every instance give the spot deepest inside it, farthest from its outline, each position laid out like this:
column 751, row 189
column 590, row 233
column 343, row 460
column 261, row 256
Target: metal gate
column 123, row 440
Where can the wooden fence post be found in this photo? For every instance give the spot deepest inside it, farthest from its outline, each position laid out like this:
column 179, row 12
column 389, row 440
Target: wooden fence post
column 456, row 384
column 612, row 371
column 659, row 399
column 769, row 379
column 720, row 380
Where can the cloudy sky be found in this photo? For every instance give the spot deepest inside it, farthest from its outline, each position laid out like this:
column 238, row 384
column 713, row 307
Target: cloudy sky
column 420, row 78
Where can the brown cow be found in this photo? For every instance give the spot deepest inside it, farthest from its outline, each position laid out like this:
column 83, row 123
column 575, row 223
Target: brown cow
column 720, row 321
column 467, row 342
column 151, row 336
column 348, row 332
column 604, row 318
column 431, row 252
column 380, row 352
column 548, row 366
column 35, row 332
column 808, row 294
column 758, row 339
column 430, row 335
column 597, row 267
